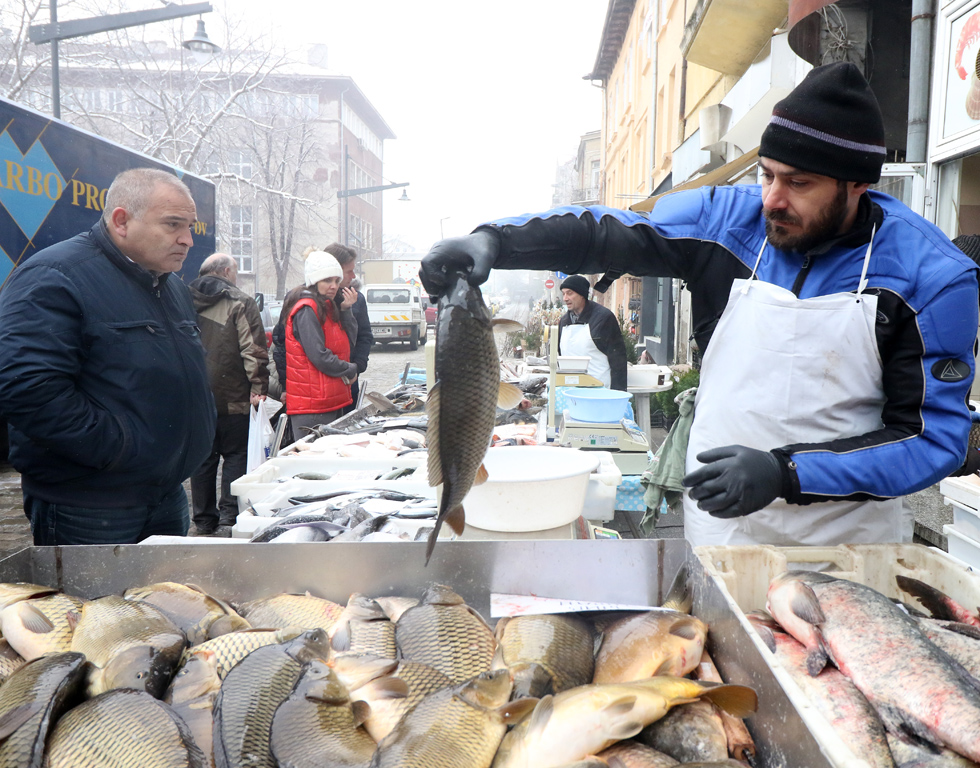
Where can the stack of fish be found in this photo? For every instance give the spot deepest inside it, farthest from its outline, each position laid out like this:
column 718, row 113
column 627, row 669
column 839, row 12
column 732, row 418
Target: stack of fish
column 167, row 675
column 367, row 515
column 903, row 689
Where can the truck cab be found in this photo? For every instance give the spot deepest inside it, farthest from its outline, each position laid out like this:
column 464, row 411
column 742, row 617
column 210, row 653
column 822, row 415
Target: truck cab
column 397, row 313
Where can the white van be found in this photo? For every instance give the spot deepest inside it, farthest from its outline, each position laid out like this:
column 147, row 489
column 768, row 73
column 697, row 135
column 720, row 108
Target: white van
column 396, row 313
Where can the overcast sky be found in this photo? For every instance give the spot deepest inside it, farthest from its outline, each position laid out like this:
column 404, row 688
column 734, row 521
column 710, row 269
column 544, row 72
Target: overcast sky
column 486, row 99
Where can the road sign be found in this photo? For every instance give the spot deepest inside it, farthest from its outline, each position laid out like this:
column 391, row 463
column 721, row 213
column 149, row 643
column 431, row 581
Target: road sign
column 549, row 283
column 561, row 275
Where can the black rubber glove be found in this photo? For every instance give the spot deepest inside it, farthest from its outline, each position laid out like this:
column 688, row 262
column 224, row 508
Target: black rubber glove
column 735, row 481
column 475, row 254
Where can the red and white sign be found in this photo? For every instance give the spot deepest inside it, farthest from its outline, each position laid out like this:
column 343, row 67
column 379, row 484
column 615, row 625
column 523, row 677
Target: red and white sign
column 549, row 283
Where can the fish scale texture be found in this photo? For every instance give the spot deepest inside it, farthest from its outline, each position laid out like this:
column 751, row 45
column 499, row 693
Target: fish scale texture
column 122, row 729
column 374, row 637
column 563, row 645
column 284, row 611
column 896, row 666
column 312, row 734
column 232, row 648
column 48, row 681
column 111, row 624
column 442, row 732
column 421, row 679
column 448, row 638
column 249, row 697
column 55, row 608
column 468, row 373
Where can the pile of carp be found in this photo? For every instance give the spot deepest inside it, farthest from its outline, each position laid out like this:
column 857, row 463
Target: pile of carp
column 167, row 675
column 904, row 688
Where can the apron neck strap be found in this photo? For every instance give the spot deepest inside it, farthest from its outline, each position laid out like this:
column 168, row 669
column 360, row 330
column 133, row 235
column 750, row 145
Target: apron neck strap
column 745, row 288
column 863, row 282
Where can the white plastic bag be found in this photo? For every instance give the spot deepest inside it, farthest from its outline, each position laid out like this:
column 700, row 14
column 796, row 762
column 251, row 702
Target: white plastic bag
column 261, row 435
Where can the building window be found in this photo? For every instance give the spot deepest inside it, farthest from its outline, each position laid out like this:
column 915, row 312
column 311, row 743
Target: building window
column 594, row 175
column 240, row 163
column 240, row 243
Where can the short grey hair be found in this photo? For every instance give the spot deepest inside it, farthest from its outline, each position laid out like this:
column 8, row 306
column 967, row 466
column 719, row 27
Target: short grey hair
column 132, row 190
column 217, row 263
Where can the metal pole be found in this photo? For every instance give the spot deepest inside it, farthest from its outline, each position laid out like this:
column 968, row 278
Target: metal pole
column 55, row 79
column 346, row 210
column 920, row 61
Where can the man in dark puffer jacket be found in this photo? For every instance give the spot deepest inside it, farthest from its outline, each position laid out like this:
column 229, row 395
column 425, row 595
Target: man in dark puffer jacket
column 102, row 373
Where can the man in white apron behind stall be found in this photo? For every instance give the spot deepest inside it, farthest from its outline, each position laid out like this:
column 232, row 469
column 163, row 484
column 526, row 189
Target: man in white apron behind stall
column 590, row 330
column 837, row 325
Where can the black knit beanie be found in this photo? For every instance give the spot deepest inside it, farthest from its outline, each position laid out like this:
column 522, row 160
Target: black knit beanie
column 830, row 124
column 576, row 283
column 970, row 245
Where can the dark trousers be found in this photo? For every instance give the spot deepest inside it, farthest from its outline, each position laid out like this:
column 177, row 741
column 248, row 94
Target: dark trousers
column 59, row 524
column 230, row 443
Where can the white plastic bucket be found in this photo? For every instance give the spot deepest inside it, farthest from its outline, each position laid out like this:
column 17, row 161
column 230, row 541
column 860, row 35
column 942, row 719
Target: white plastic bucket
column 530, row 488
column 596, row 403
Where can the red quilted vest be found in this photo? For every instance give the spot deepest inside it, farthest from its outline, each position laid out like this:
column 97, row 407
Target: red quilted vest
column 309, row 390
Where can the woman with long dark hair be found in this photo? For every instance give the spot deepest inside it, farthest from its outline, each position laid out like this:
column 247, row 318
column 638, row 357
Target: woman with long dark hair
column 316, row 337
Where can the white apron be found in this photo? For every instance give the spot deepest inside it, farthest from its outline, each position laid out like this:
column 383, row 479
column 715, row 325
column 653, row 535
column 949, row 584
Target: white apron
column 782, row 370
column 577, row 340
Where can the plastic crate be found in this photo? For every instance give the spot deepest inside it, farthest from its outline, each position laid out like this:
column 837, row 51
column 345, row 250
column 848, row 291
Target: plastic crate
column 962, row 547
column 965, row 490
column 965, row 519
column 743, row 573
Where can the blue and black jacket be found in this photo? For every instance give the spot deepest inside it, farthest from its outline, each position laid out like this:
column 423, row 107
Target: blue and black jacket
column 926, row 323
column 102, row 377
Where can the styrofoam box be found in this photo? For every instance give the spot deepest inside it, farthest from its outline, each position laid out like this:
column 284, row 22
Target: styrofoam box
column 965, row 490
column 600, row 494
column 966, row 519
column 261, row 482
column 961, row 546
column 743, row 573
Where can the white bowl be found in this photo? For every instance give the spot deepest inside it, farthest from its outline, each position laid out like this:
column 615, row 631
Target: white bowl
column 530, row 488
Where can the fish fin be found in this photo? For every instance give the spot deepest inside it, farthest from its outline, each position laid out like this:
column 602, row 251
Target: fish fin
column 498, row 631
column 736, row 700
column 531, row 679
column 514, row 712
column 361, row 711
column 687, row 628
column 432, row 439
column 664, row 668
column 542, row 713
column 17, row 716
column 481, row 475
column 388, row 688
column 816, row 660
column 963, row 629
column 340, row 641
column 457, row 520
column 939, row 604
column 898, row 721
column 33, row 620
column 679, row 597
column 432, row 540
column 767, row 636
column 508, row 396
column 621, row 706
column 505, row 325
column 224, row 625
column 805, row 605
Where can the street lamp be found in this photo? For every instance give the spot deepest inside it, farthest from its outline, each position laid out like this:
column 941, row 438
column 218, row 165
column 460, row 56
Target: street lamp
column 345, row 193
column 55, row 31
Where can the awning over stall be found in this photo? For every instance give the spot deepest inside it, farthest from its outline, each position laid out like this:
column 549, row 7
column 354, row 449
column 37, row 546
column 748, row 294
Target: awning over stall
column 728, row 173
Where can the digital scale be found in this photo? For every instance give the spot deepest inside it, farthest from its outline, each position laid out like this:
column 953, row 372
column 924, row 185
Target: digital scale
column 627, row 444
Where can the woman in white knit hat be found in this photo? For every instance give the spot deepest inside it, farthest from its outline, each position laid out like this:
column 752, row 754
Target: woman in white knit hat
column 317, row 346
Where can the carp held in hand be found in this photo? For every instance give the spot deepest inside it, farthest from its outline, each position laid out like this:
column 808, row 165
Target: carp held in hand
column 463, row 402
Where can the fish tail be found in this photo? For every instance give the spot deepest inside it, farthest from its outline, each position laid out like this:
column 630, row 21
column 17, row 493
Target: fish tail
column 736, row 700
column 816, row 660
column 432, row 541
column 679, row 596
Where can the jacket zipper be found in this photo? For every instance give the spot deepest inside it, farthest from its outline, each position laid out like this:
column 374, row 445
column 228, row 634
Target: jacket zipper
column 801, row 277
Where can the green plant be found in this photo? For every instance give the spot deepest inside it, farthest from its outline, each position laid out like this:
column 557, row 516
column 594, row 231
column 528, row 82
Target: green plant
column 629, row 339
column 665, row 400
